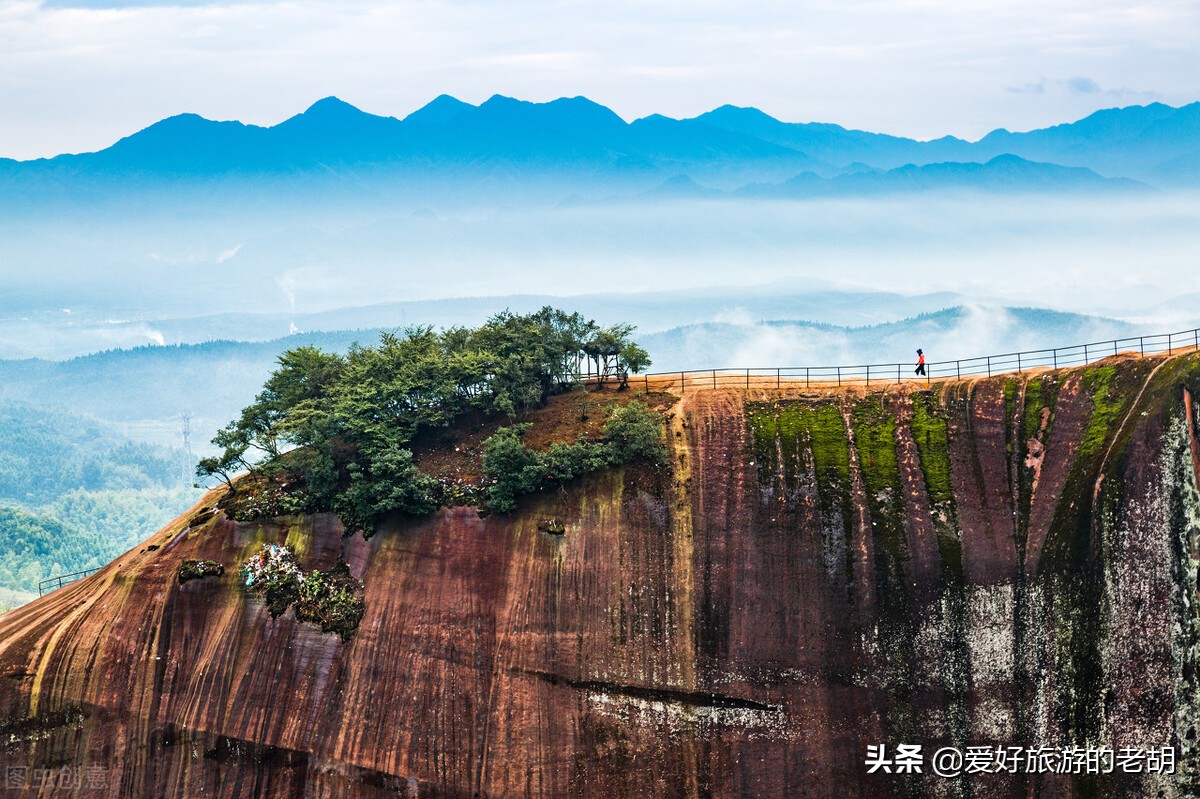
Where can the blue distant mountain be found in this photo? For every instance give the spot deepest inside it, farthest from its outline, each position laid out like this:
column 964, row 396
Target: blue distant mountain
column 1154, row 143
column 836, row 144
column 569, row 134
column 1002, row 174
column 575, row 147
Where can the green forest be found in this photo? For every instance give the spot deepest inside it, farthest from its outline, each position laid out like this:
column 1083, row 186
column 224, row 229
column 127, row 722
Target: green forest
column 74, row 494
column 46, row 453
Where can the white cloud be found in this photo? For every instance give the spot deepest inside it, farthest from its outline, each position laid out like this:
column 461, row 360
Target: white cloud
column 225, row 255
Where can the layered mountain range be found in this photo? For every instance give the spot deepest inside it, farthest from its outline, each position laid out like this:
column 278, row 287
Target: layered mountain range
column 573, row 147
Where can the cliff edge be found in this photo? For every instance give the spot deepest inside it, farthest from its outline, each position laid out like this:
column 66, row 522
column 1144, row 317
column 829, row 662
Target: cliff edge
column 1005, row 562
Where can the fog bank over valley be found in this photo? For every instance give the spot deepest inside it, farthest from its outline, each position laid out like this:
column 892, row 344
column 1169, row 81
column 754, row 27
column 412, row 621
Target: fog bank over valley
column 86, row 284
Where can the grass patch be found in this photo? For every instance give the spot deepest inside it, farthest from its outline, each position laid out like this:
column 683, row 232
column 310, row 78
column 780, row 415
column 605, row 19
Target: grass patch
column 199, row 569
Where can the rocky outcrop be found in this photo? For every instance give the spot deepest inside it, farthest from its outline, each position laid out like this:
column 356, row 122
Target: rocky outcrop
column 1010, row 562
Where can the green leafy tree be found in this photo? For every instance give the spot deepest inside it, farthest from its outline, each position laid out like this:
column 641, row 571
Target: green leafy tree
column 614, row 354
column 344, row 426
column 631, row 358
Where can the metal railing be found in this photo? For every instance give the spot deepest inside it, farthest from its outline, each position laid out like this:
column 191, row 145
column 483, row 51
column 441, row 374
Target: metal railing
column 895, row 373
column 54, row 583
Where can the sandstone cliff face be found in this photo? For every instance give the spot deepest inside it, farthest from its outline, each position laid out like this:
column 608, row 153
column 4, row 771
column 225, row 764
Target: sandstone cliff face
column 1010, row 561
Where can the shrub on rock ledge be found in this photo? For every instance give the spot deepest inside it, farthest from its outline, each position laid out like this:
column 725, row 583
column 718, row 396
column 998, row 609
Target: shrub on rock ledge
column 199, row 569
column 632, row 433
column 331, row 599
column 273, row 573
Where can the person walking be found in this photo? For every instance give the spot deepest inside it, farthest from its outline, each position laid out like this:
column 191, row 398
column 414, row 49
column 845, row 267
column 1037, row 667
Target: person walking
column 920, row 363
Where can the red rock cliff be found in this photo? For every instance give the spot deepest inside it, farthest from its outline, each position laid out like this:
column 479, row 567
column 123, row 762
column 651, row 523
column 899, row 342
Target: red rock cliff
column 1009, row 561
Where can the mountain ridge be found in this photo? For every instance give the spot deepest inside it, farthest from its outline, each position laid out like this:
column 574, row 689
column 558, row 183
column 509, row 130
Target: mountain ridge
column 730, row 145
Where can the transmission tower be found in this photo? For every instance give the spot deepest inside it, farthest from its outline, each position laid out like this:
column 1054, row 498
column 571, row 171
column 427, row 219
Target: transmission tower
column 189, row 461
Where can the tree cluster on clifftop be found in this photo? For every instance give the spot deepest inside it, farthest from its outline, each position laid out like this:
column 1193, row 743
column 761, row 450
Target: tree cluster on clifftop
column 341, row 426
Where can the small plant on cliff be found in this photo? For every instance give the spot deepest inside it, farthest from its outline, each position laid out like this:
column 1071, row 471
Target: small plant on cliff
column 631, row 433
column 199, row 569
column 273, row 572
column 331, row 599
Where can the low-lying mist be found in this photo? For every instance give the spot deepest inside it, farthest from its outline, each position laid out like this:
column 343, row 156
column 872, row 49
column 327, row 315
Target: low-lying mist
column 142, row 391
column 963, row 332
column 85, row 278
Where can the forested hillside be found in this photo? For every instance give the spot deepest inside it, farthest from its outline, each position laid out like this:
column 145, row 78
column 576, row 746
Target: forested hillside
column 45, row 453
column 74, row 494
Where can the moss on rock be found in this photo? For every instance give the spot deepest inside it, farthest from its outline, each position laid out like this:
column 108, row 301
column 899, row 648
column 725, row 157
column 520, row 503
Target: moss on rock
column 784, row 433
column 930, row 432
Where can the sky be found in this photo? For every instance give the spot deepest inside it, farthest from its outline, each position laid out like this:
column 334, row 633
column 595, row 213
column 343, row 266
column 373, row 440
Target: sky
column 76, row 75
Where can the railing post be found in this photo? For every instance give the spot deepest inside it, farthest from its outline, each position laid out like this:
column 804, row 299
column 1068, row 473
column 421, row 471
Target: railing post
column 1055, row 352
column 777, row 379
column 806, row 382
column 989, row 365
column 958, row 369
column 1169, row 337
column 1018, row 363
column 839, row 376
column 747, row 379
column 1114, row 347
column 714, row 378
column 647, row 377
column 682, row 382
column 1085, row 355
column 897, row 374
column 868, row 375
column 1142, row 346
